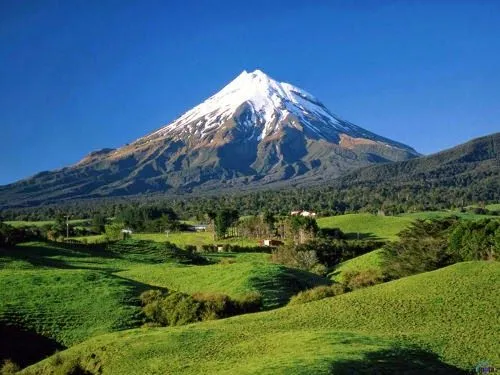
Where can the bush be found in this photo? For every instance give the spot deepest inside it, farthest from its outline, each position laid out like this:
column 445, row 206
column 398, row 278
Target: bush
column 249, row 303
column 175, row 308
column 319, row 254
column 432, row 244
column 149, row 296
column 293, row 256
column 361, row 279
column 190, row 249
column 207, row 248
column 9, row 368
column 215, row 305
column 422, row 247
column 10, row 236
column 315, row 294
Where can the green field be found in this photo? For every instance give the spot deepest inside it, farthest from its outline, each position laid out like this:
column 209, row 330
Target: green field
column 252, row 273
column 21, row 223
column 69, row 293
column 493, row 207
column 85, row 297
column 436, row 322
column 61, row 303
column 178, row 238
column 371, row 260
column 443, row 214
column 368, row 226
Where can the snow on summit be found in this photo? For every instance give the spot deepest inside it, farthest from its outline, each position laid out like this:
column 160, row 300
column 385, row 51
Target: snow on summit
column 269, row 106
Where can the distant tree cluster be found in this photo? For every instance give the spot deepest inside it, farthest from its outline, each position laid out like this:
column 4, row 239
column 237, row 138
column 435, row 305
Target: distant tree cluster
column 10, row 236
column 321, row 250
column 431, row 244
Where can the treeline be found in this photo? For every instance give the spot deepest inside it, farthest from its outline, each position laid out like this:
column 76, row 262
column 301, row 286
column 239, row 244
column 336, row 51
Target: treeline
column 424, row 246
column 429, row 245
column 392, row 198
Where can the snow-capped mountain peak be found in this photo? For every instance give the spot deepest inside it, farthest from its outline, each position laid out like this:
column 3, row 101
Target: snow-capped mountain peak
column 256, row 131
column 270, row 101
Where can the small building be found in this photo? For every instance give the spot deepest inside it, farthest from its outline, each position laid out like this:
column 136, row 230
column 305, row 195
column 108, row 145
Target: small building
column 126, row 233
column 199, row 227
column 270, row 243
column 303, row 213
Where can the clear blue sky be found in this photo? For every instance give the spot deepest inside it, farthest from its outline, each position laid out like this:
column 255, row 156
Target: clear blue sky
column 81, row 75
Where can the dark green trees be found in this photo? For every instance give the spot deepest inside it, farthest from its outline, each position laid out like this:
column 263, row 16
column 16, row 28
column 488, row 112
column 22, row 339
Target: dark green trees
column 224, row 220
column 431, row 244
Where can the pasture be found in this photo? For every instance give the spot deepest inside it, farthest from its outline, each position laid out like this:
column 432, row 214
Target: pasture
column 427, row 323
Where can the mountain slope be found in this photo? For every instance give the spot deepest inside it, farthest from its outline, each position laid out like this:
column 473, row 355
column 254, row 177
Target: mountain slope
column 254, row 131
column 476, row 162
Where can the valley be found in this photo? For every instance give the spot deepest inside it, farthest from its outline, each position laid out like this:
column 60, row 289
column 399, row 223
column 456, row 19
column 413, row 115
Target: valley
column 84, row 296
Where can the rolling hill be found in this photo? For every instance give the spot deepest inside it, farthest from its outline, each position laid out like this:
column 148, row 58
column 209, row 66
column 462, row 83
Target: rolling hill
column 435, row 322
column 475, row 164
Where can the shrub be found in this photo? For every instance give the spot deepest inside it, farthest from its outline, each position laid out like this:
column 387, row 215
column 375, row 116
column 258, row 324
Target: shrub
column 215, row 305
column 207, row 248
column 179, row 309
column 361, row 279
column 175, row 308
column 9, row 368
column 292, row 256
column 475, row 240
column 114, row 231
column 190, row 249
column 150, row 296
column 249, row 303
column 315, row 294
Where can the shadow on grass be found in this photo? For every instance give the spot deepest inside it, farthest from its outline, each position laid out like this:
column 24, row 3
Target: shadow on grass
column 396, row 361
column 276, row 291
column 25, row 347
column 76, row 256
column 361, row 236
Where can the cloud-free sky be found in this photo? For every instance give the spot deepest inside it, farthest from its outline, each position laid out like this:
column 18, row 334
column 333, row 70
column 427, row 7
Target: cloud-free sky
column 80, row 75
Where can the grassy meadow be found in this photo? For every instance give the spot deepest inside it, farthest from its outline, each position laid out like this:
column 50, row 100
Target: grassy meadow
column 178, row 238
column 371, row 260
column 254, row 273
column 368, row 226
column 427, row 323
column 23, row 223
column 65, row 294
column 83, row 299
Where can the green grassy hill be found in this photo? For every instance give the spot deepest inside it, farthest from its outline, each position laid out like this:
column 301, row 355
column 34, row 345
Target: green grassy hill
column 250, row 273
column 376, row 227
column 55, row 295
column 442, row 214
column 440, row 322
column 21, row 223
column 179, row 238
column 67, row 305
column 367, row 225
column 371, row 260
